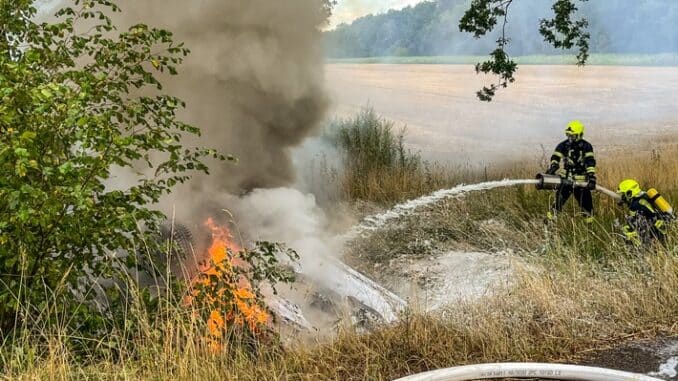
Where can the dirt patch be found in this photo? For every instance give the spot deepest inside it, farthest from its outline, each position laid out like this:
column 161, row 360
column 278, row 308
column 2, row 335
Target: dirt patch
column 657, row 358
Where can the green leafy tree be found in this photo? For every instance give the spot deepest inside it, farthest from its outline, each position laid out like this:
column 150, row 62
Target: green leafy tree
column 78, row 99
column 562, row 32
column 431, row 28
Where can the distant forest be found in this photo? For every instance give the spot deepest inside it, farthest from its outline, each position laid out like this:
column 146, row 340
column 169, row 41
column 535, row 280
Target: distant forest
column 431, row 29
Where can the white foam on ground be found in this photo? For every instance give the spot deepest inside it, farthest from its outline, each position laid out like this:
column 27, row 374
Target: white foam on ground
column 379, row 220
column 434, row 283
column 668, row 369
column 387, row 303
column 271, row 210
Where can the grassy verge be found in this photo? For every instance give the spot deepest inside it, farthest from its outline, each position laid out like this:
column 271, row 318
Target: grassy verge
column 581, row 288
column 666, row 59
column 568, row 308
column 547, row 317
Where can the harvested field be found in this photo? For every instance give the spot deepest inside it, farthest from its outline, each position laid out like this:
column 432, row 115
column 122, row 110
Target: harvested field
column 445, row 121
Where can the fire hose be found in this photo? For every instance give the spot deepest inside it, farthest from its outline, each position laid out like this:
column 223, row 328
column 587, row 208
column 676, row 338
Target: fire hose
column 546, row 181
column 535, row 370
column 527, row 370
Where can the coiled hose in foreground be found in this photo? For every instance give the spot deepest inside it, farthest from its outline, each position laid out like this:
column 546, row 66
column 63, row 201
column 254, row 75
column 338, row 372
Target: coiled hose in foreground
column 527, row 370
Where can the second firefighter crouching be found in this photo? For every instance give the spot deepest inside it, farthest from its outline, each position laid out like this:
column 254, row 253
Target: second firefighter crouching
column 648, row 214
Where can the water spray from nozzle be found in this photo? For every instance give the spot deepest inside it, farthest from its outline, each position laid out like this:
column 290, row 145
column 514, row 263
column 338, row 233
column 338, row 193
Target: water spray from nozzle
column 543, row 181
column 377, row 221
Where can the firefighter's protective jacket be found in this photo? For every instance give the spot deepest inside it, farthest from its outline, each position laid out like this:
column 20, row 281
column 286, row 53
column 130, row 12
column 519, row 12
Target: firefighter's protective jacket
column 644, row 222
column 577, row 156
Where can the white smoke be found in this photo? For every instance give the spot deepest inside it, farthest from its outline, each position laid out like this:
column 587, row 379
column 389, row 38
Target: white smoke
column 284, row 215
column 290, row 216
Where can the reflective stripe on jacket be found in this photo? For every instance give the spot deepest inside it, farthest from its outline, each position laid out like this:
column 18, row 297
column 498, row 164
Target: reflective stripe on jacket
column 578, row 157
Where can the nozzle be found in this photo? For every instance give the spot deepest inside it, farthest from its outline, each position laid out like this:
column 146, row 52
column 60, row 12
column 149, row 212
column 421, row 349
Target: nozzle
column 546, row 181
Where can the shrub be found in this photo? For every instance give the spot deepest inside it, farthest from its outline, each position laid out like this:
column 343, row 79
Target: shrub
column 71, row 112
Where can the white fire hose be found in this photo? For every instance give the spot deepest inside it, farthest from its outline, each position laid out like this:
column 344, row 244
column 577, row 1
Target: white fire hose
column 545, row 181
column 527, row 370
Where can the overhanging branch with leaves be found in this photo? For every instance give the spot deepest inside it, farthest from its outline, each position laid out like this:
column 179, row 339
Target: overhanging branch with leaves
column 562, row 32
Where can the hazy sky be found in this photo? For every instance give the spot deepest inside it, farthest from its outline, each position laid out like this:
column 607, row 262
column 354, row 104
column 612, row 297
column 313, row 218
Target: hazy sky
column 345, row 10
column 45, row 6
column 349, row 10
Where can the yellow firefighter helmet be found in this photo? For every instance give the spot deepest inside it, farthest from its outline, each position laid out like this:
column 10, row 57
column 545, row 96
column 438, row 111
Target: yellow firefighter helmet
column 629, row 188
column 575, row 128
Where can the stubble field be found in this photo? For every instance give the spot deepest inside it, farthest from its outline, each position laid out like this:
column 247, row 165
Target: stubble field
column 622, row 107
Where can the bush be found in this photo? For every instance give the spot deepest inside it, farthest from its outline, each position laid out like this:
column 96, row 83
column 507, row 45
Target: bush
column 70, row 113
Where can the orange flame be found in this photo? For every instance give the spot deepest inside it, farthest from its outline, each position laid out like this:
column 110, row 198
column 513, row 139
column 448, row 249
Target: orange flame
column 230, row 297
column 222, row 243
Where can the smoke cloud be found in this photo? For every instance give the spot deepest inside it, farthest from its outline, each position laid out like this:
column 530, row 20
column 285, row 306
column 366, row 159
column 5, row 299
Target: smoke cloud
column 253, row 83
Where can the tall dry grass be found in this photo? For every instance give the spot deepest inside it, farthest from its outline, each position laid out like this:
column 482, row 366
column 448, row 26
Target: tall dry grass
column 558, row 313
column 581, row 289
column 513, row 218
column 375, row 164
column 547, row 316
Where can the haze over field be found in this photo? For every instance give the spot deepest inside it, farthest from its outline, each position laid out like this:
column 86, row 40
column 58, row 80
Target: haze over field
column 445, row 120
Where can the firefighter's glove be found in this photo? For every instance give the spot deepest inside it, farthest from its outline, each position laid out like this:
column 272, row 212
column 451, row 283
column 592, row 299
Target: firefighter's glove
column 631, row 236
column 660, row 226
column 552, row 169
column 592, row 182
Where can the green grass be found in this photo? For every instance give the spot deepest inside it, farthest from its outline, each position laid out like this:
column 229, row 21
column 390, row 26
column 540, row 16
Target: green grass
column 376, row 167
column 665, row 59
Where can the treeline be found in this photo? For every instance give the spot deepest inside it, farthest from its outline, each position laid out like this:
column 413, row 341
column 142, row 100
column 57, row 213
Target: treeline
column 431, row 29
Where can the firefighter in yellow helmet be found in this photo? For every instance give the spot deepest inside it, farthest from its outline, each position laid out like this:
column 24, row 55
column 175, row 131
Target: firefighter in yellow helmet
column 648, row 215
column 579, row 164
